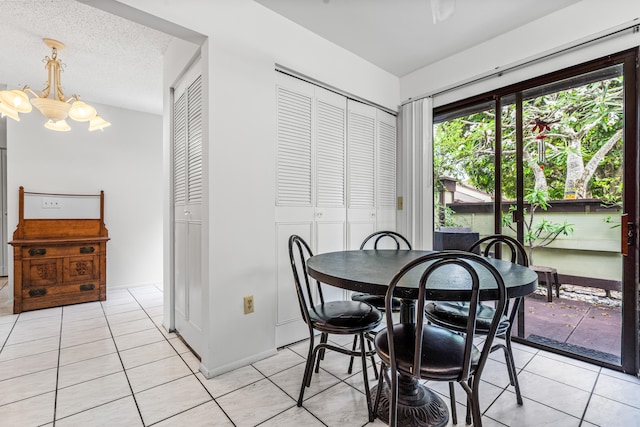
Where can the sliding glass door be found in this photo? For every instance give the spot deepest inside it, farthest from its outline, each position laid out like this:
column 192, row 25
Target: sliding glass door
column 553, row 162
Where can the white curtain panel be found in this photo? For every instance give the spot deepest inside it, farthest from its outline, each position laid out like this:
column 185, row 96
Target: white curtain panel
column 416, row 153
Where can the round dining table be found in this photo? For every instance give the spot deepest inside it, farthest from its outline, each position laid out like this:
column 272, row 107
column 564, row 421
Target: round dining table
column 370, row 271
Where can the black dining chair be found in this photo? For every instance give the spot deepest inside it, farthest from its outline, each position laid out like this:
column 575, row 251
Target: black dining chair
column 332, row 317
column 378, row 240
column 454, row 315
column 431, row 352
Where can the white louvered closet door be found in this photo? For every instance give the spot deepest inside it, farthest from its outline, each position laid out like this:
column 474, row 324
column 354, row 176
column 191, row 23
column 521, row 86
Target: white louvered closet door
column 311, row 185
column 294, row 199
column 188, row 200
column 386, row 171
column 330, row 183
column 361, row 170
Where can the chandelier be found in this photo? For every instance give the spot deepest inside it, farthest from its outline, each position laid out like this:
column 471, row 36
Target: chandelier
column 51, row 102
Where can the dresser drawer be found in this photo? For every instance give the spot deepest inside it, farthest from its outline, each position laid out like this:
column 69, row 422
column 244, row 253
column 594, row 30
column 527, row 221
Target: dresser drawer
column 52, row 296
column 33, row 252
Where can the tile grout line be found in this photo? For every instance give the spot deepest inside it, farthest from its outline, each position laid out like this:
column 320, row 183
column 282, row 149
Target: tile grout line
column 55, row 399
column 133, row 395
column 593, row 389
column 4, row 343
column 184, row 361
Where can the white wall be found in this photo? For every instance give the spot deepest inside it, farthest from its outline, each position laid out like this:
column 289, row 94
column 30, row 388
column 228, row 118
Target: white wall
column 124, row 160
column 577, row 23
column 246, row 41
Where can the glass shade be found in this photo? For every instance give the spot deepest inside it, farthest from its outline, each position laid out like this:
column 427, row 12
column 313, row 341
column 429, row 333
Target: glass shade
column 98, row 123
column 81, row 112
column 16, row 99
column 9, row 112
column 60, row 125
column 52, row 109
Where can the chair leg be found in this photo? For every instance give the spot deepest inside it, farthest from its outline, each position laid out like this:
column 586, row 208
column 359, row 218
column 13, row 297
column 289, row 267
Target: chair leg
column 555, row 278
column 323, row 340
column 307, row 371
column 452, row 397
column 373, row 360
column 365, row 376
column 379, row 390
column 475, row 402
column 355, row 343
column 511, row 365
column 393, row 400
column 469, row 404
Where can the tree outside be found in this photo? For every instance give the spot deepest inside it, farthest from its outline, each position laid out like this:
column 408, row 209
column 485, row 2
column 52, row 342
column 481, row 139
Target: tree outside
column 573, row 142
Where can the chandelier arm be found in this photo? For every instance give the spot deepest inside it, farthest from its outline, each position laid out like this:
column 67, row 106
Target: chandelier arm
column 58, row 86
column 28, row 89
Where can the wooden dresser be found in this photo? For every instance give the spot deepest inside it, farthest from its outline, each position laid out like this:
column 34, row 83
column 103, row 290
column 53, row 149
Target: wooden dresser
column 59, row 261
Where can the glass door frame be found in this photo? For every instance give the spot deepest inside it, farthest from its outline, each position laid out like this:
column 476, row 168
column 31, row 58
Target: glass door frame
column 630, row 351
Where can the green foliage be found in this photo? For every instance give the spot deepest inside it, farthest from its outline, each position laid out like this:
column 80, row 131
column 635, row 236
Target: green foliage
column 464, row 147
column 537, row 234
column 444, row 217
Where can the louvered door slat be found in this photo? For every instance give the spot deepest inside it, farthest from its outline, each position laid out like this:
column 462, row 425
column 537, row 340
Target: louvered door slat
column 194, row 168
column 330, row 155
column 386, row 165
column 179, row 149
column 294, row 148
column 361, row 160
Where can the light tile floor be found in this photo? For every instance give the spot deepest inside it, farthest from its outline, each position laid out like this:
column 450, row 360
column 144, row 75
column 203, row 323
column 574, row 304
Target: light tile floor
column 112, row 364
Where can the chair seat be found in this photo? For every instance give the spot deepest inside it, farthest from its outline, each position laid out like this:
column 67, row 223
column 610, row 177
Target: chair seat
column 377, row 301
column 454, row 315
column 442, row 351
column 344, row 317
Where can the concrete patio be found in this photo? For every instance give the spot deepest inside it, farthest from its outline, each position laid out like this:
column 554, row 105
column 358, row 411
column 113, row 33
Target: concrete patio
column 582, row 320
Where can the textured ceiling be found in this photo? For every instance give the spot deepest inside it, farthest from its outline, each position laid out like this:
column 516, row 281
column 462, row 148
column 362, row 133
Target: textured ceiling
column 399, row 35
column 109, row 60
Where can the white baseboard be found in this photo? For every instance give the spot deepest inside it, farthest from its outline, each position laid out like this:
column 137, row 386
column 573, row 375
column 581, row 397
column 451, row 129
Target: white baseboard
column 210, row 373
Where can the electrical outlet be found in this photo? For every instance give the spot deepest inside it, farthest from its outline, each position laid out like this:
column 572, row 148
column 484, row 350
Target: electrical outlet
column 248, row 304
column 51, row 203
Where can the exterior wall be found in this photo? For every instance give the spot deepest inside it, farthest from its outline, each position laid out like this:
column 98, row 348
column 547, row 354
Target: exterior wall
column 594, row 243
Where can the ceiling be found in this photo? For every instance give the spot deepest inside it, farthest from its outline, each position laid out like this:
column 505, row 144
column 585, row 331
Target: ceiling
column 399, row 36
column 109, row 60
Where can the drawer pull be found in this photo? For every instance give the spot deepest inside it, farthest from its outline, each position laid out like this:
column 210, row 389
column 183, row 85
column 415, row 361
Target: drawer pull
column 37, row 292
column 87, row 250
column 39, row 251
column 88, row 287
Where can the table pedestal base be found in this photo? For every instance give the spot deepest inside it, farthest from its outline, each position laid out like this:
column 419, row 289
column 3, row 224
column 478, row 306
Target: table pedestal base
column 417, row 405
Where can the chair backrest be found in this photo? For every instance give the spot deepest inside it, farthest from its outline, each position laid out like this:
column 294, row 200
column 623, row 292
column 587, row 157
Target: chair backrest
column 497, row 242
column 392, row 237
column 299, row 252
column 448, row 266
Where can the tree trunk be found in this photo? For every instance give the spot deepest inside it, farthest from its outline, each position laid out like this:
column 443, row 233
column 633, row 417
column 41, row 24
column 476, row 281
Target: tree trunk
column 575, row 168
column 591, row 167
column 538, row 173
